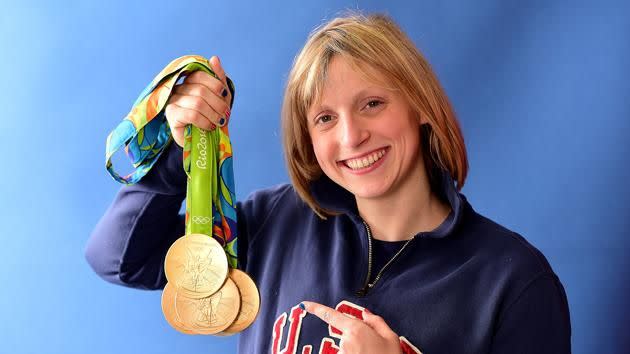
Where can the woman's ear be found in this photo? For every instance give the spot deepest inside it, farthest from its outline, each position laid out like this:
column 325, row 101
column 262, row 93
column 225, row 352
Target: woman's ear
column 422, row 120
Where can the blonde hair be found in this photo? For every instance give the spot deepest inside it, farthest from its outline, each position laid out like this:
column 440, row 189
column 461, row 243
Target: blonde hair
column 375, row 41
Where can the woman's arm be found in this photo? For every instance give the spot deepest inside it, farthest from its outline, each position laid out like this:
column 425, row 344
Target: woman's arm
column 537, row 322
column 129, row 243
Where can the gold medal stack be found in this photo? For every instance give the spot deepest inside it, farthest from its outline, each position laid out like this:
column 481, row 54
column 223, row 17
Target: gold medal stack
column 203, row 295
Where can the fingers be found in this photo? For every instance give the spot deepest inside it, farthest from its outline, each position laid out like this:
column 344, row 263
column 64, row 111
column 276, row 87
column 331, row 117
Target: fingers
column 201, row 99
column 179, row 117
column 214, row 91
column 212, row 107
column 329, row 315
column 196, row 111
column 215, row 63
column 378, row 324
column 217, row 87
column 370, row 335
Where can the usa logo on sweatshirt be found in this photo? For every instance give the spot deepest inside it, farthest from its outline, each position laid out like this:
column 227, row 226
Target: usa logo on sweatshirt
column 327, row 344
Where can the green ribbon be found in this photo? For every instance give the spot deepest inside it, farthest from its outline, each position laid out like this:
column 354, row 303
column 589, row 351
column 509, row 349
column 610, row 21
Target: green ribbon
column 202, row 182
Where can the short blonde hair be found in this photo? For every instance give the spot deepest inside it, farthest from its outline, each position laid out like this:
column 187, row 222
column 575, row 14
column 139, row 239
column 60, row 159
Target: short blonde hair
column 375, row 41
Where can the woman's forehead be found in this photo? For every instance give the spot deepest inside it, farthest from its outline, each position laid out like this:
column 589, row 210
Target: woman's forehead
column 344, row 67
column 343, row 74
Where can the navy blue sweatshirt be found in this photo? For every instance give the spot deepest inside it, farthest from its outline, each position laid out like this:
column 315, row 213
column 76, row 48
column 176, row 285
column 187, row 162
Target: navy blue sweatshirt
column 469, row 286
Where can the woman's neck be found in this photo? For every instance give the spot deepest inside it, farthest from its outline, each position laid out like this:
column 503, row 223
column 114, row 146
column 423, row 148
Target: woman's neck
column 404, row 213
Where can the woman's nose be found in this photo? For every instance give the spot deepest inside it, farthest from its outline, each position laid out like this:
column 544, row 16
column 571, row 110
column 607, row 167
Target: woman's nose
column 352, row 131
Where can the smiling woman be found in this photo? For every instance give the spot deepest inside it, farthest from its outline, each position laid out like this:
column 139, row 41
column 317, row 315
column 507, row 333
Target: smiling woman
column 375, row 55
column 370, row 145
column 373, row 235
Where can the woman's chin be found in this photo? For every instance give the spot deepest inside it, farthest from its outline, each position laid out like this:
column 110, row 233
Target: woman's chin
column 368, row 192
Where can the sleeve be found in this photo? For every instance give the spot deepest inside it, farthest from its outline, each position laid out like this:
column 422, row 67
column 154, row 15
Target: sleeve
column 537, row 322
column 129, row 243
column 252, row 215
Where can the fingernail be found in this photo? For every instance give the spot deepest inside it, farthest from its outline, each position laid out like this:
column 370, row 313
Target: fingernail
column 221, row 121
column 227, row 113
column 367, row 311
column 224, row 93
column 302, row 306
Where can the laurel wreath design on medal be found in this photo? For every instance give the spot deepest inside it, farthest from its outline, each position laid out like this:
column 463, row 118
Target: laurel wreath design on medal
column 210, row 315
column 197, row 265
column 195, row 269
column 206, row 314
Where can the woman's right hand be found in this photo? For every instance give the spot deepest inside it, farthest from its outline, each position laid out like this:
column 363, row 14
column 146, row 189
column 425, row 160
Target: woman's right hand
column 200, row 100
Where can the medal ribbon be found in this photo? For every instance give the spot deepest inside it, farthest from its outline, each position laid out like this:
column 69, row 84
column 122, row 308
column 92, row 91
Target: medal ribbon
column 145, row 134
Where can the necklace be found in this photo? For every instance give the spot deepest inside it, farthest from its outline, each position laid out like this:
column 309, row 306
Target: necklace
column 367, row 285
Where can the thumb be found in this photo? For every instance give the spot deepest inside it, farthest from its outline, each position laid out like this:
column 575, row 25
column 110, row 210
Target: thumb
column 378, row 324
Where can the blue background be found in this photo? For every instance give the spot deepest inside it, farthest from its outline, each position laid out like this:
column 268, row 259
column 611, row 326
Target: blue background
column 541, row 88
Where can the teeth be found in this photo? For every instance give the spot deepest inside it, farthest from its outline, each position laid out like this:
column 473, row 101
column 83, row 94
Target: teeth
column 364, row 162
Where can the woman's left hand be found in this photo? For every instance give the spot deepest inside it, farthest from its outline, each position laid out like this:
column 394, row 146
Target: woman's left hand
column 370, row 335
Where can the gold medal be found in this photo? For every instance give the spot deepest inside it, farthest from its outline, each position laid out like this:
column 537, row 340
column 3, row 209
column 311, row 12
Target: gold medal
column 196, row 265
column 250, row 302
column 170, row 313
column 212, row 314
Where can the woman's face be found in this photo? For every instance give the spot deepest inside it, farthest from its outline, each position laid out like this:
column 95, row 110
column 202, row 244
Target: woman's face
column 363, row 135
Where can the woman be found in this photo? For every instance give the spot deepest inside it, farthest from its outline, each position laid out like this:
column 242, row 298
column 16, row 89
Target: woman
column 372, row 236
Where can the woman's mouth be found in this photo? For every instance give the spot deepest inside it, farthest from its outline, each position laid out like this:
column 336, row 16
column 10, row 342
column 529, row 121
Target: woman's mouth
column 365, row 163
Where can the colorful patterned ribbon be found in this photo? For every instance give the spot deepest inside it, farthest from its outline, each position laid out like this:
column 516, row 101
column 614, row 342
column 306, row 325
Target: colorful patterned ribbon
column 145, row 134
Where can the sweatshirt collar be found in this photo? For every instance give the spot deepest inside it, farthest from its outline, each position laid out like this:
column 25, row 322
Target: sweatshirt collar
column 331, row 196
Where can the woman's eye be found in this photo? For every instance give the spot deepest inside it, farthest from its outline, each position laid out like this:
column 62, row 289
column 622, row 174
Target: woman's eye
column 323, row 119
column 373, row 103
